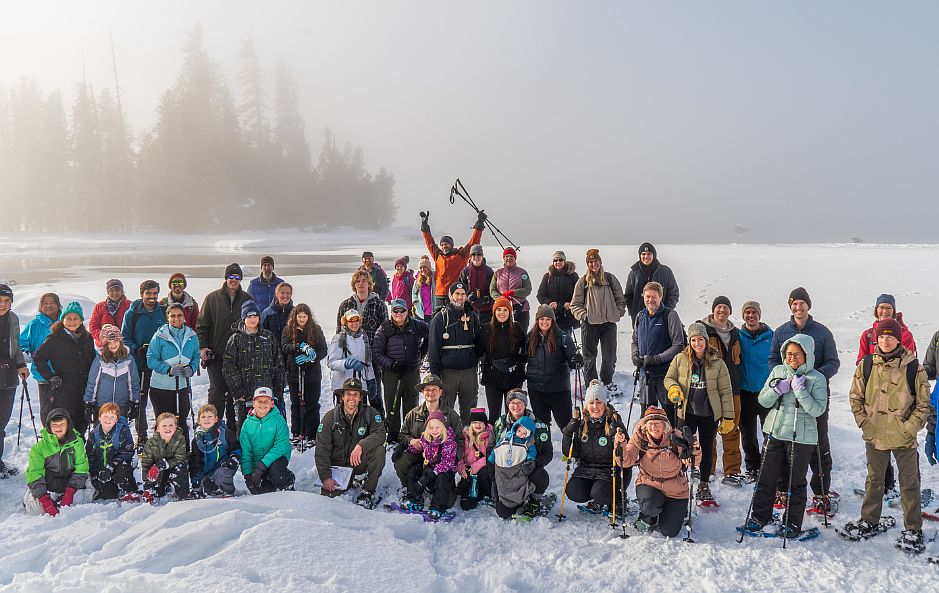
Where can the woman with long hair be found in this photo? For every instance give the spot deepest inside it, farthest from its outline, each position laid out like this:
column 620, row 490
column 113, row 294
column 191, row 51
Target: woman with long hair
column 304, row 347
column 501, row 344
column 551, row 357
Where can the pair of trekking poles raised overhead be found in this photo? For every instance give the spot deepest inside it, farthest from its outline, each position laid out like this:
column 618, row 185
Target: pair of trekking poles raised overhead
column 459, row 189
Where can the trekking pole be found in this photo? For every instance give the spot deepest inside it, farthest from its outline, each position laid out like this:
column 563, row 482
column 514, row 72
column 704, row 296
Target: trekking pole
column 458, row 189
column 301, row 387
column 633, row 400
column 826, row 499
column 689, row 470
column 613, row 513
column 578, row 386
column 623, row 485
column 192, row 413
column 792, row 458
column 29, row 404
column 394, row 404
column 766, row 440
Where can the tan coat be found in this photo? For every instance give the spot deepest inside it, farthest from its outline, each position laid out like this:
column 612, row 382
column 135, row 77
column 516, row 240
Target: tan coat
column 598, row 303
column 659, row 466
column 717, row 379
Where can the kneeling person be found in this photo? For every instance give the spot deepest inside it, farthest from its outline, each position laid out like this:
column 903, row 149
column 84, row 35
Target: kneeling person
column 438, row 446
column 111, row 454
column 163, row 461
column 265, row 446
column 351, row 435
column 58, row 468
column 215, row 455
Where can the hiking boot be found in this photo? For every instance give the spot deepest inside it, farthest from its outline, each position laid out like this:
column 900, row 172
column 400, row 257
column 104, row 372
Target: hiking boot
column 860, row 528
column 147, row 496
column 366, row 499
column 788, row 532
column 754, row 525
column 733, row 480
column 614, row 389
column 594, row 507
column 434, row 514
column 641, row 526
column 911, row 540
column 7, row 471
column 891, row 493
column 130, row 497
column 821, row 503
column 532, row 507
column 703, row 493
column 782, row 500
column 414, row 505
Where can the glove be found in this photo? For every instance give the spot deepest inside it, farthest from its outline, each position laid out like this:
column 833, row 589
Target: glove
column 399, row 367
column 675, row 394
column 798, row 382
column 310, row 352
column 141, row 351
column 726, row 425
column 133, row 410
column 253, row 481
column 577, row 360
column 55, row 382
column 527, row 467
column 48, row 505
column 782, row 387
column 425, row 222
column 350, row 363
column 153, row 474
column 89, row 412
column 105, row 474
column 231, row 462
column 572, row 427
column 177, row 370
column 67, row 498
column 648, row 360
column 358, row 365
column 187, row 371
column 931, row 449
column 508, row 293
column 303, row 347
column 162, row 465
column 301, row 359
column 480, row 221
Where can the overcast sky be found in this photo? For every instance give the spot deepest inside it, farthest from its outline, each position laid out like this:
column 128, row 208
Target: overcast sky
column 608, row 122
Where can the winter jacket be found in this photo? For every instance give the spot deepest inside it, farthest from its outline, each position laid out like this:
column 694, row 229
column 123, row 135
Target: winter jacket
column 558, row 287
column 474, row 458
column 313, row 371
column 210, row 448
column 408, row 343
column 117, row 382
column 929, row 361
column 659, row 465
column 190, row 309
column 550, row 373
column 263, row 439
column 457, row 351
column 379, row 280
column 869, row 339
column 336, row 361
column 448, row 266
column 414, row 421
column 439, row 456
column 100, row 316
column 32, row 337
column 420, row 311
column 166, row 351
column 155, row 449
column 374, row 312
column 812, row 400
column 54, row 464
column 513, row 461
column 716, row 377
column 264, row 292
column 593, row 452
column 754, row 352
column 70, row 359
column 544, row 449
column 477, row 280
column 252, row 361
column 401, row 285
column 139, row 327
column 657, row 335
column 14, row 355
column 637, row 279
column 730, row 352
column 110, row 448
column 826, row 352
column 886, row 411
column 218, row 318
column 274, row 318
column 337, row 436
column 502, row 368
column 600, row 303
column 514, row 279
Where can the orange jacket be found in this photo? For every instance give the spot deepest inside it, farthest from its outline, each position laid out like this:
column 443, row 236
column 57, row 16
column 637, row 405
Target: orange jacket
column 449, row 266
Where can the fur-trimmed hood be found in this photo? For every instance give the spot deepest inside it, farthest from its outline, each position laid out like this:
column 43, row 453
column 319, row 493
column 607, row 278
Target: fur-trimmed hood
column 569, row 268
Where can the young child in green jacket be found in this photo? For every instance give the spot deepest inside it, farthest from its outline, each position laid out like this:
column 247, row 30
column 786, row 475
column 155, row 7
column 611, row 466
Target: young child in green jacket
column 57, row 475
column 164, row 461
column 265, row 446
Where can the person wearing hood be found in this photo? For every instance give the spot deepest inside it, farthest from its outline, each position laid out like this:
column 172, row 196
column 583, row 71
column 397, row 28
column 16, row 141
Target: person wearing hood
column 477, row 277
column 263, row 288
column 662, row 483
column 218, row 318
column 36, row 331
column 649, row 269
column 12, row 366
column 594, row 438
column 513, row 283
column 177, row 285
column 725, row 338
column 451, row 351
column 755, row 340
column 402, row 282
column 274, row 318
column 214, row 455
column 252, row 359
column 143, row 319
column 378, row 275
column 795, row 394
column 265, row 447
column 350, row 356
column 113, row 377
column 557, row 290
column 63, row 361
column 57, row 476
column 500, row 345
column 173, row 357
column 450, row 262
column 109, row 311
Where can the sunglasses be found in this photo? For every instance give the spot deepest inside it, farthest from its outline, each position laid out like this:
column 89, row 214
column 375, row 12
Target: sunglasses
column 353, row 320
column 180, row 282
column 399, row 310
column 557, row 260
column 234, row 277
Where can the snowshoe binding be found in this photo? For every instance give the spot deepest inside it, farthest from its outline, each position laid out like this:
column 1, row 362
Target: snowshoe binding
column 782, row 501
column 824, row 504
column 861, row 529
column 733, row 480
column 368, row 500
column 704, row 498
column 911, row 541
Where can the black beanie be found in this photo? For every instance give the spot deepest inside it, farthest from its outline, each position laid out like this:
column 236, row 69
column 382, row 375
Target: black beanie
column 6, row 291
column 233, row 269
column 800, row 294
column 647, row 247
column 721, row 300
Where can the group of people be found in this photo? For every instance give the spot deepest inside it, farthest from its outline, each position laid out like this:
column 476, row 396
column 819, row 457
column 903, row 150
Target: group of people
column 406, row 362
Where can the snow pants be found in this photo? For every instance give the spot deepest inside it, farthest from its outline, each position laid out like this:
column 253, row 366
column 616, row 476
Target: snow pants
column 121, row 482
column 776, row 468
column 602, row 335
column 422, row 478
column 657, row 509
column 34, row 507
column 544, row 404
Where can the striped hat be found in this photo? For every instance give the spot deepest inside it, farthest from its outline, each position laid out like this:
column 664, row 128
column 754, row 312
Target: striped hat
column 110, row 332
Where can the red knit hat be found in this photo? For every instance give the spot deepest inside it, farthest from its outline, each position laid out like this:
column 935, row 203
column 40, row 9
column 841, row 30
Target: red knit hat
column 889, row 327
column 507, row 251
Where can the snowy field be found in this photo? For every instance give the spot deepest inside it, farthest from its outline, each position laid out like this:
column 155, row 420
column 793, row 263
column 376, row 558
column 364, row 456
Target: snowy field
column 295, row 541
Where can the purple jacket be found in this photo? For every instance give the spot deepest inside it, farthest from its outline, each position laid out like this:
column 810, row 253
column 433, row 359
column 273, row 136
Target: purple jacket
column 440, row 457
column 408, row 344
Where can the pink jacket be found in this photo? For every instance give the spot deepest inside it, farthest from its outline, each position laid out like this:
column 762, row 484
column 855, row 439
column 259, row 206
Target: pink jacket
column 401, row 285
column 473, row 459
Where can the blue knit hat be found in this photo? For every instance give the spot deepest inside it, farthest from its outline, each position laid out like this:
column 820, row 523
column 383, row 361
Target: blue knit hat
column 73, row 307
column 888, row 299
column 527, row 423
column 249, row 308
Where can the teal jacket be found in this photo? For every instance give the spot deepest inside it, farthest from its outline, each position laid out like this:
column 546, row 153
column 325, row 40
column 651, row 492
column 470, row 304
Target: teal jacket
column 263, row 439
column 32, row 337
column 813, row 400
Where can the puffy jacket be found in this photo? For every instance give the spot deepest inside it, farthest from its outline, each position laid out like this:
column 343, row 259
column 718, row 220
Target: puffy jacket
column 448, row 266
column 263, row 439
column 457, row 351
column 408, row 343
column 166, row 351
column 252, row 361
column 439, row 456
column 336, row 361
column 263, row 292
column 550, row 373
column 593, row 451
column 401, row 285
column 110, row 448
column 139, row 327
column 219, row 318
column 55, row 465
column 813, row 400
column 190, row 309
column 636, row 281
column 70, row 359
column 730, row 352
column 558, row 287
column 473, row 458
column 313, row 371
column 337, row 436
column 659, row 465
column 869, row 339
column 100, row 316
column 374, row 312
column 511, row 279
column 660, row 335
column 117, row 382
column 754, row 352
column 32, row 337
column 888, row 412
column 477, row 280
column 716, row 377
column 502, row 368
column 155, row 449
column 414, row 421
column 600, row 303
column 826, row 352
column 544, row 449
column 274, row 318
column 210, row 448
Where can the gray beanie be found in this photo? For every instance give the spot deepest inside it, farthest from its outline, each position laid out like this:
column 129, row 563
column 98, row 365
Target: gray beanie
column 697, row 329
column 596, row 390
column 518, row 394
column 752, row 305
column 559, row 255
column 477, row 248
column 545, row 311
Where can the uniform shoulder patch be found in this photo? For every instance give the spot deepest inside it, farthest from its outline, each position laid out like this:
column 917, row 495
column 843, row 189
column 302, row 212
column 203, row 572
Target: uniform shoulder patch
column 524, row 276
column 320, row 429
column 377, row 418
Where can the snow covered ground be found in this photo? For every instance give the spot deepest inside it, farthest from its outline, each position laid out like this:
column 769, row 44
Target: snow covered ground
column 302, row 541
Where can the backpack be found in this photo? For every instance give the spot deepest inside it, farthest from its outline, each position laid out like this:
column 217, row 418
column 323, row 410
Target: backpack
column 665, row 314
column 867, row 365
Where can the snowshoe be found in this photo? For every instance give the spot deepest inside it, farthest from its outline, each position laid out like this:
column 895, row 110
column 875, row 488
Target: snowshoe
column 777, row 530
column 591, row 507
column 789, row 532
column 537, row 507
column 752, row 476
column 911, row 541
column 753, row 526
column 147, row 496
column 782, row 500
column 130, row 497
column 925, row 498
column 861, row 529
column 891, row 494
column 7, row 471
column 827, row 504
column 642, row 526
column 367, row 500
column 733, row 480
column 704, row 498
column 614, row 389
column 441, row 517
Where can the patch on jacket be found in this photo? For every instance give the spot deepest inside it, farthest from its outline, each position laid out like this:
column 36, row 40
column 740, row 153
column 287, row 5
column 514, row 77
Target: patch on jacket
column 320, row 429
column 361, row 431
column 377, row 418
column 602, row 441
column 544, row 436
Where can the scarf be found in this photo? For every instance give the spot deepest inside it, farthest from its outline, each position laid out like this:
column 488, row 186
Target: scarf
column 113, row 307
column 343, row 340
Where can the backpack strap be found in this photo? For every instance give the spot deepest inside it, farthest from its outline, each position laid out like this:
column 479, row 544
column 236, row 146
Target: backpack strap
column 867, row 364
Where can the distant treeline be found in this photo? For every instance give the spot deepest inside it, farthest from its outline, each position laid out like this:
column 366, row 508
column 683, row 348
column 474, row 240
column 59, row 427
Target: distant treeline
column 209, row 164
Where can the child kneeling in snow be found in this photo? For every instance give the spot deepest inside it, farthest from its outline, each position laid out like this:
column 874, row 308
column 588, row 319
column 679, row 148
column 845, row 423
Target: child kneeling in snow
column 215, row 456
column 265, row 446
column 57, row 475
column 475, row 480
column 111, row 456
column 514, row 460
column 438, row 445
column 163, row 460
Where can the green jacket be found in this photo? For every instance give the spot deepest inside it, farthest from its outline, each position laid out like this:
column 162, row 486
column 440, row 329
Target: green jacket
column 174, row 452
column 888, row 412
column 813, row 400
column 337, row 436
column 54, row 465
column 716, row 377
column 264, row 439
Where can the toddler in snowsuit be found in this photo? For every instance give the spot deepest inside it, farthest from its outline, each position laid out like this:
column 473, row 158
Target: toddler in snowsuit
column 476, row 481
column 112, row 456
column 163, row 461
column 438, row 444
column 57, row 474
column 514, row 460
column 215, row 455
